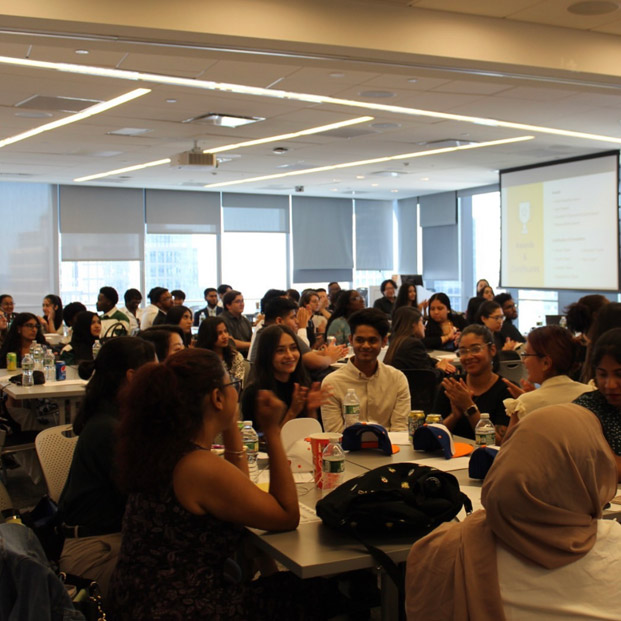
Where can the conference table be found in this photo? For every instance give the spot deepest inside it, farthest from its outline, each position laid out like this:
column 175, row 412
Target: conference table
column 315, row 550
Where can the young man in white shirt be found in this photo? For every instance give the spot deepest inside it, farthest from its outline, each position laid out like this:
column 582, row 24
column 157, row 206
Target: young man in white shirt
column 382, row 390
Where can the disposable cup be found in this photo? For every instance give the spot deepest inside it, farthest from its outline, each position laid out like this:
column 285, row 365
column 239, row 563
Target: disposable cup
column 319, row 441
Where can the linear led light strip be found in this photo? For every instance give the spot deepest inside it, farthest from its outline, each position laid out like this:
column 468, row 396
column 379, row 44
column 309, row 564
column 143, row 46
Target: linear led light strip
column 78, row 116
column 232, row 147
column 491, row 143
column 306, row 97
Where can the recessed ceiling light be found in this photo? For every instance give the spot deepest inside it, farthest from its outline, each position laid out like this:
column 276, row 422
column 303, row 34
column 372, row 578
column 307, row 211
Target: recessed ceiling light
column 84, row 52
column 424, row 178
column 374, row 185
column 413, row 80
column 376, row 94
column 594, row 7
column 33, row 114
column 336, row 74
column 129, row 131
column 359, row 176
column 224, row 120
column 171, row 101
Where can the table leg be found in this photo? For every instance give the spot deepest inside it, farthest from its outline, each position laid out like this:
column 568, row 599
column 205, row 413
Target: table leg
column 389, row 596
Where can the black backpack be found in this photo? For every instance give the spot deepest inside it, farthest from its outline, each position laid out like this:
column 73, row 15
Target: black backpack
column 400, row 499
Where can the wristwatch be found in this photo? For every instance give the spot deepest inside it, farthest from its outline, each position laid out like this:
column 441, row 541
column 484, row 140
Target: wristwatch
column 473, row 409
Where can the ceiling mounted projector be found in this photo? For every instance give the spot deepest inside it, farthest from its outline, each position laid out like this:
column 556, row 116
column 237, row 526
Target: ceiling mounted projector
column 194, row 158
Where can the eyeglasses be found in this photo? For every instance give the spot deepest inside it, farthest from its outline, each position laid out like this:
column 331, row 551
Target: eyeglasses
column 473, row 350
column 496, row 317
column 236, row 384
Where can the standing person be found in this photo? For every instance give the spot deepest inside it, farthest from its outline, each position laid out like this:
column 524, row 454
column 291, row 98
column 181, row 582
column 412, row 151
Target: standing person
column 549, row 356
column 86, row 330
column 181, row 316
column 214, row 335
column 540, row 550
column 178, row 297
column 279, row 368
column 443, row 325
column 106, row 304
column 347, row 303
column 91, row 505
column 461, row 402
column 24, row 331
column 509, row 309
column 133, row 299
column 382, row 390
column 406, row 350
column 605, row 402
column 161, row 302
column 239, row 327
column 212, row 309
column 187, row 506
column 52, row 320
column 386, row 303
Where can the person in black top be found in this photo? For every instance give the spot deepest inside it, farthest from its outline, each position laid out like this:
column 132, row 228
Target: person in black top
column 91, row 505
column 491, row 316
column 443, row 325
column 461, row 401
column 387, row 301
column 509, row 308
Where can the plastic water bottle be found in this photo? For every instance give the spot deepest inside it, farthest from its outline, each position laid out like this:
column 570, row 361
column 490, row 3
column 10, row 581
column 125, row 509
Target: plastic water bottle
column 201, row 318
column 96, row 348
column 49, row 367
column 332, row 466
column 37, row 356
column 251, row 442
column 484, row 432
column 27, row 370
column 351, row 408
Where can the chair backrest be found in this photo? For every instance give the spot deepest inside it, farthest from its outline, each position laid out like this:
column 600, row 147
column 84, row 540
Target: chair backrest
column 298, row 451
column 423, row 388
column 513, row 370
column 55, row 450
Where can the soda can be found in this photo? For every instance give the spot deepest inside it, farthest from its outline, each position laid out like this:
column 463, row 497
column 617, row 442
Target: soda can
column 433, row 418
column 11, row 361
column 416, row 419
column 61, row 371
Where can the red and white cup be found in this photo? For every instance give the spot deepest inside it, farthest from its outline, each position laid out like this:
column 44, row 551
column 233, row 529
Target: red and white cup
column 319, row 441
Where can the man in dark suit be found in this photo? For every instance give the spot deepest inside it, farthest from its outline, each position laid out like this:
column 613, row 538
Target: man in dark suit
column 211, row 310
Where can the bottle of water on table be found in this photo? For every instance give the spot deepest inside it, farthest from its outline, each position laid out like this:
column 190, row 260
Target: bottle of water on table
column 38, row 358
column 484, row 432
column 49, row 367
column 351, row 408
column 332, row 466
column 27, row 370
column 250, row 439
column 96, row 348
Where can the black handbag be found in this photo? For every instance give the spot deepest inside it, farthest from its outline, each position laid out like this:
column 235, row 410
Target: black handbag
column 399, row 499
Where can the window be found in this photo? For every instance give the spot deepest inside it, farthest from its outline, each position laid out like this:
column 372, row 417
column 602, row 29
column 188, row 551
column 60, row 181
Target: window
column 253, row 263
column 486, row 237
column 182, row 261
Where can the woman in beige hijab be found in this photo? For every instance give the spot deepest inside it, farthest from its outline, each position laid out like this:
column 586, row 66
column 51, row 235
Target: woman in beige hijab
column 540, row 550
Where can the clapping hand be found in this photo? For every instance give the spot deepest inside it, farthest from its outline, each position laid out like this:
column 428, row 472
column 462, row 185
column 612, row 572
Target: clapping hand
column 317, row 396
column 458, row 393
column 298, row 399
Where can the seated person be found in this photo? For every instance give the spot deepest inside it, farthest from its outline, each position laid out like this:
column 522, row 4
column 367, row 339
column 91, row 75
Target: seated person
column 540, row 549
column 443, row 325
column 52, row 319
column 178, row 297
column 509, row 308
column 491, row 316
column 113, row 321
column 86, row 330
column 387, row 301
column 382, row 390
column 212, row 309
column 181, row 316
column 214, row 335
column 91, row 504
column 24, row 331
column 461, row 402
column 605, row 402
column 133, row 299
column 70, row 312
column 406, row 350
column 167, row 340
column 347, row 303
column 473, row 308
column 239, row 327
column 549, row 357
column 408, row 296
column 155, row 313
column 188, row 506
column 310, row 303
column 487, row 293
column 279, row 368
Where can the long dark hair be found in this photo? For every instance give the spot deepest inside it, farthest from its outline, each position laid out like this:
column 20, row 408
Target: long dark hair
column 81, row 338
column 608, row 317
column 159, row 337
column 173, row 318
column 13, row 340
column 403, row 297
column 263, row 371
column 208, row 335
column 581, row 314
column 161, row 414
column 341, row 306
column 402, row 321
column 108, row 372
column 58, row 313
column 443, row 299
column 608, row 344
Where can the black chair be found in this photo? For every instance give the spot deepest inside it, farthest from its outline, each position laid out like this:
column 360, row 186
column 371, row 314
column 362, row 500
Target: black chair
column 423, row 388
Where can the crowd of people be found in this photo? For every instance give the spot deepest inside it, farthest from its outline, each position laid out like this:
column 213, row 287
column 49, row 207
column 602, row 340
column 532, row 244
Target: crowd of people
column 148, row 506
